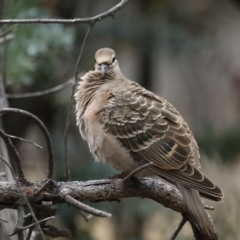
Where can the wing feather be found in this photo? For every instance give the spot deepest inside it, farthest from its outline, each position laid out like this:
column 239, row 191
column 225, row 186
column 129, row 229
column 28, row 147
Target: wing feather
column 152, row 130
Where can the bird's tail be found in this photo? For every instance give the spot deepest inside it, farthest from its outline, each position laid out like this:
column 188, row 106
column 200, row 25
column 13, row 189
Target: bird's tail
column 198, row 213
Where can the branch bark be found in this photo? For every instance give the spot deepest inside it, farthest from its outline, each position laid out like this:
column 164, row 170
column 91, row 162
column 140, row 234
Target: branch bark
column 100, row 190
column 89, row 20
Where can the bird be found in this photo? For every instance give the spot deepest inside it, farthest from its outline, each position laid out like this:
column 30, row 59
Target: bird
column 127, row 126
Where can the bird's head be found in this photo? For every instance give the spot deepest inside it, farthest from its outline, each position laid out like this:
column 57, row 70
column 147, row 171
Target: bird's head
column 106, row 61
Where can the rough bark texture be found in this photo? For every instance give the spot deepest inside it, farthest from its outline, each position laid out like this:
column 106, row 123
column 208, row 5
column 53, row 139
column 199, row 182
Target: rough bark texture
column 98, row 190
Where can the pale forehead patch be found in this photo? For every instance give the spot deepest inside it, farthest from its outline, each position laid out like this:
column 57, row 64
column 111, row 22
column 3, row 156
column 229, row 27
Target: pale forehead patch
column 104, row 55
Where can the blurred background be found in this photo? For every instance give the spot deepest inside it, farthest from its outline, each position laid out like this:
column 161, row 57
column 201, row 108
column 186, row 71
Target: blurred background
column 186, row 51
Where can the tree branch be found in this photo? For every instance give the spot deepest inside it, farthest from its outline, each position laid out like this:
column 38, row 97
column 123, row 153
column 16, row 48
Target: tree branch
column 89, row 20
column 102, row 190
column 45, row 133
column 40, row 93
column 67, row 123
column 80, row 206
column 14, row 156
column 179, row 228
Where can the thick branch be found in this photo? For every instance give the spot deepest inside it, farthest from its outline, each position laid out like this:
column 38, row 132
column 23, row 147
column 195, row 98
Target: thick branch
column 100, row 190
column 88, row 20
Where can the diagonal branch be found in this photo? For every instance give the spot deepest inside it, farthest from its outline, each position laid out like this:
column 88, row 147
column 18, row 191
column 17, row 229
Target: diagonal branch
column 19, row 189
column 179, row 228
column 89, row 20
column 70, row 200
column 44, row 131
column 25, row 140
column 76, row 75
column 139, row 169
column 40, row 93
column 9, row 30
column 14, row 156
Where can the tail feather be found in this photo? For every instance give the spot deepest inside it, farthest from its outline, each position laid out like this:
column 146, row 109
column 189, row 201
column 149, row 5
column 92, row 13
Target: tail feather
column 205, row 186
column 198, row 213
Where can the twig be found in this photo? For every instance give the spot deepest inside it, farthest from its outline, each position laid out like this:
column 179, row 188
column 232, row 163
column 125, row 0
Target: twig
column 94, row 19
column 20, row 229
column 86, row 218
column 20, row 221
column 40, row 93
column 44, row 131
column 24, row 197
column 9, row 166
column 44, row 186
column 33, row 224
column 70, row 200
column 179, row 228
column 9, row 30
column 66, row 129
column 14, row 155
column 25, row 140
column 137, row 170
column 90, row 27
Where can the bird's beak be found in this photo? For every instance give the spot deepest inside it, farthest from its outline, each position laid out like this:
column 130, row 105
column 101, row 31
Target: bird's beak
column 104, row 68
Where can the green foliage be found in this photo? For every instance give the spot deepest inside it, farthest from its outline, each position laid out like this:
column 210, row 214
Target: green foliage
column 36, row 48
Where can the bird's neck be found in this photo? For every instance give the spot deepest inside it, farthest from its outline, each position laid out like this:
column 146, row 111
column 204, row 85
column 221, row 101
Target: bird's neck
column 90, row 88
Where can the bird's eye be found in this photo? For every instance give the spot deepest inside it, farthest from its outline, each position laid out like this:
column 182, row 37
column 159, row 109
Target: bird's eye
column 113, row 60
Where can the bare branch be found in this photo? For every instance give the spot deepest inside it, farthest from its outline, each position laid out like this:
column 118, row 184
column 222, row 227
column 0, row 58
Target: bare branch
column 14, row 156
column 104, row 190
column 70, row 200
column 89, row 20
column 44, row 131
column 139, row 169
column 9, row 166
column 31, row 225
column 25, row 140
column 19, row 223
column 24, row 197
column 86, row 218
column 67, row 172
column 41, row 93
column 179, row 228
column 9, row 30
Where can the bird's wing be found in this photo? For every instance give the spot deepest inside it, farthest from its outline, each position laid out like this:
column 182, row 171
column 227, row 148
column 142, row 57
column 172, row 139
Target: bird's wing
column 148, row 126
column 153, row 131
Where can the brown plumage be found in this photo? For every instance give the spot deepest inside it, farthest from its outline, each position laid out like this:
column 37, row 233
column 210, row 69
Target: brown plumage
column 127, row 126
